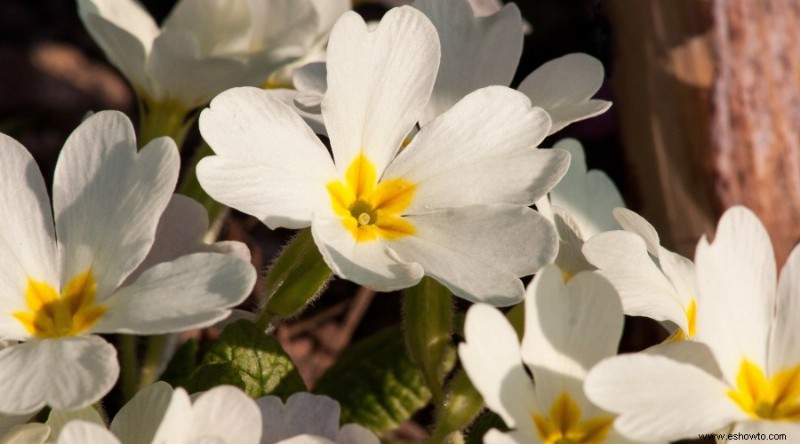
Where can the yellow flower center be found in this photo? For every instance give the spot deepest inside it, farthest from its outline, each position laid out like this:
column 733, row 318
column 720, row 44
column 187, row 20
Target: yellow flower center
column 369, row 209
column 54, row 315
column 691, row 322
column 563, row 424
column 776, row 398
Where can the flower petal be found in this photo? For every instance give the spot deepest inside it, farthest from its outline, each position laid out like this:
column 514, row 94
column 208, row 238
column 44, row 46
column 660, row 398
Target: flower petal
column 269, row 163
column 356, row 434
column 87, row 369
column 491, row 358
column 192, row 291
column 371, row 264
column 107, row 198
column 660, row 399
column 495, row 436
column 27, row 237
column 481, row 151
column 736, row 285
column 784, row 343
column 139, row 419
column 176, row 423
column 569, row 327
column 32, row 433
column 480, row 252
column 622, row 258
column 227, row 414
column 83, row 432
column 564, row 87
column 570, row 258
column 476, row 52
column 632, row 222
column 378, row 83
column 304, row 413
column 588, row 196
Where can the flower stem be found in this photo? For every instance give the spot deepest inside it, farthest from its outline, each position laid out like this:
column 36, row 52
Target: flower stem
column 152, row 360
column 166, row 118
column 129, row 372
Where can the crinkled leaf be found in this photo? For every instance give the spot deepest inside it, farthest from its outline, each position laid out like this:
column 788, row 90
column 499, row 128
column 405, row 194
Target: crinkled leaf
column 376, row 383
column 251, row 360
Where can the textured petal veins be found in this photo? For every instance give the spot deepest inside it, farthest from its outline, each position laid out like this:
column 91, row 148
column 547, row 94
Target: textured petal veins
column 564, row 426
column 54, row 315
column 369, row 209
column 776, row 398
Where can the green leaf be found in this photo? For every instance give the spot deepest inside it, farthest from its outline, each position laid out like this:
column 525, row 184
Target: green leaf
column 182, row 364
column 376, row 383
column 250, row 359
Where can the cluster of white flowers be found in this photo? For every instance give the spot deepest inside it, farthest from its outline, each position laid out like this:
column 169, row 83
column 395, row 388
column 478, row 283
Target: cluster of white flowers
column 433, row 169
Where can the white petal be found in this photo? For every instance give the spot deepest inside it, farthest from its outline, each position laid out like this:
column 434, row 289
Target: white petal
column 269, row 164
column 736, row 285
column 87, row 369
column 139, row 419
column 108, row 198
column 495, row 436
column 750, row 431
column 564, row 87
column 356, row 434
column 476, row 52
column 660, row 399
column 176, row 424
column 192, row 291
column 481, row 151
column 630, row 221
column 182, row 73
column 570, row 258
column 378, row 83
column 681, row 273
column 568, row 329
column 125, row 32
column 304, row 104
column 623, row 259
column 218, row 26
column 33, row 433
column 82, row 432
column 371, row 264
column 480, row 252
column 312, row 78
column 784, row 344
column 27, row 238
column 491, row 358
column 304, row 413
column 57, row 419
column 588, row 197
column 306, row 439
column 689, row 352
column 227, row 414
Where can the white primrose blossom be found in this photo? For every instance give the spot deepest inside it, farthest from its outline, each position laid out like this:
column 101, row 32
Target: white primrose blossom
column 748, row 326
column 64, row 271
column 651, row 280
column 204, row 46
column 569, row 327
column 453, row 204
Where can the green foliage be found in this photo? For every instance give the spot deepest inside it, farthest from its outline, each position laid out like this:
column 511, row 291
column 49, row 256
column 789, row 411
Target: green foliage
column 250, row 359
column 182, row 365
column 485, row 422
column 376, row 383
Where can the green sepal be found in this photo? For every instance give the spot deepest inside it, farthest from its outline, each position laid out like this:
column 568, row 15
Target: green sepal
column 250, row 359
column 462, row 404
column 297, row 277
column 182, row 365
column 428, row 319
column 376, row 383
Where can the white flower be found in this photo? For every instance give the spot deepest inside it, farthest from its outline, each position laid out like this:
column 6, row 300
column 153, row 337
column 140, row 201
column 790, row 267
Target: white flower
column 62, row 272
column 452, row 204
column 651, row 280
column 568, row 328
column 203, row 47
column 308, row 418
column 749, row 327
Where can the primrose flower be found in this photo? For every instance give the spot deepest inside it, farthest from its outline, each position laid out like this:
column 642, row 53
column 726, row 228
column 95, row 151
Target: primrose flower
column 63, row 271
column 452, row 204
column 308, row 418
column 749, row 327
column 569, row 327
column 651, row 280
column 204, row 46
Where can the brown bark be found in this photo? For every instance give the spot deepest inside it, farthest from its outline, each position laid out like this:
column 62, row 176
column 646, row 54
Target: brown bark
column 708, row 93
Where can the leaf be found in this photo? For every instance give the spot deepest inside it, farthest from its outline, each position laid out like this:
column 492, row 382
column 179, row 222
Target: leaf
column 376, row 383
column 250, row 359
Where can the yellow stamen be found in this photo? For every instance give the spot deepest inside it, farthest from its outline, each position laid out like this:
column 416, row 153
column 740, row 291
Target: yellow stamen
column 563, row 424
column 370, row 209
column 51, row 315
column 776, row 398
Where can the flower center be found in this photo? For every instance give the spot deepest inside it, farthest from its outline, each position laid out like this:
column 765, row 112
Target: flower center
column 563, row 424
column 776, row 398
column 370, row 209
column 54, row 315
column 691, row 322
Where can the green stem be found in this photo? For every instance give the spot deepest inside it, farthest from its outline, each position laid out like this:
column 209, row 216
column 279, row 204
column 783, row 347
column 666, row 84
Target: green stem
column 152, row 360
column 463, row 404
column 428, row 317
column 129, row 372
column 190, row 186
column 167, row 118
